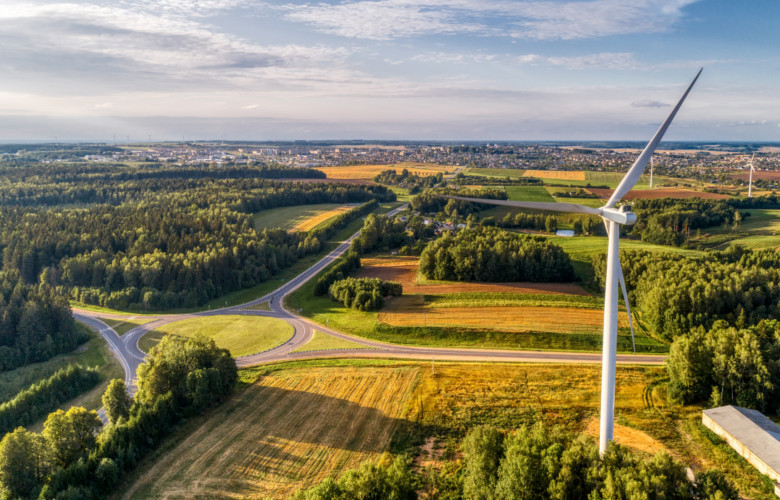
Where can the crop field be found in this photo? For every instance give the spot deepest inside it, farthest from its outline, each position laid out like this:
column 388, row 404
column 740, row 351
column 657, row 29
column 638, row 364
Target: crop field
column 651, row 194
column 495, row 172
column 757, row 175
column 528, row 193
column 565, row 175
column 407, row 311
column 289, row 430
column 241, row 335
column 404, row 270
column 297, row 217
column 368, row 172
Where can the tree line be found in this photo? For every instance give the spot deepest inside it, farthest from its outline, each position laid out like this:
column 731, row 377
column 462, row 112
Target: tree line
column 363, row 294
column 415, row 183
column 71, row 459
column 490, row 254
column 528, row 464
column 340, row 270
column 37, row 400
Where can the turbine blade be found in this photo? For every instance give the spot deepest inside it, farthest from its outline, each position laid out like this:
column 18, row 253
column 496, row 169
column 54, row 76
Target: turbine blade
column 635, row 172
column 537, row 205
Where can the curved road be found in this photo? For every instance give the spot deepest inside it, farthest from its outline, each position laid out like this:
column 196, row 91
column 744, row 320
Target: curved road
column 126, row 348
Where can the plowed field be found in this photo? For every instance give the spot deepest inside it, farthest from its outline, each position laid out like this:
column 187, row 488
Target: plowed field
column 556, row 174
column 290, row 430
column 404, row 270
column 370, row 171
column 651, row 194
column 408, row 312
column 771, row 176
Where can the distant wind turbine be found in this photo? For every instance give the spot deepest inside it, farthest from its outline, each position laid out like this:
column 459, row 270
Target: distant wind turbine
column 750, row 184
column 613, row 219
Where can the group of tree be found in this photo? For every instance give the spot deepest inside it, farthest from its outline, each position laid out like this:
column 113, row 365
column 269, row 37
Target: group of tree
column 491, row 254
column 35, row 322
column 70, row 459
column 380, row 232
column 34, row 402
column 678, row 294
column 413, row 182
column 433, row 202
column 727, row 365
column 158, row 238
column 363, row 294
column 529, row 464
column 340, row 270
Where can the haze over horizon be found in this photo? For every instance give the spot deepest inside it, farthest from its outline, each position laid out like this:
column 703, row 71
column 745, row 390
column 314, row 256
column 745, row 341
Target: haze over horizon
column 387, row 69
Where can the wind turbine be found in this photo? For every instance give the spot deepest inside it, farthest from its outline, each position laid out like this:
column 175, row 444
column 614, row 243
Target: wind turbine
column 613, row 219
column 750, row 184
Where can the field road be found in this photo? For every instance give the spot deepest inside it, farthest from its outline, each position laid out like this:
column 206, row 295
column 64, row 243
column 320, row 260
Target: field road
column 126, row 348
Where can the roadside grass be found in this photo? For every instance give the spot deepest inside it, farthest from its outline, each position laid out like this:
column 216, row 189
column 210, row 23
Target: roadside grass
column 528, row 193
column 289, row 430
column 243, row 296
column 293, row 216
column 94, row 352
column 324, row 342
column 265, row 306
column 241, row 335
column 124, row 325
column 295, row 423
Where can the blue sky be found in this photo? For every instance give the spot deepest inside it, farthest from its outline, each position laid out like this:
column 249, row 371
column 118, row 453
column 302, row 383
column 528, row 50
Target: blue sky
column 387, row 69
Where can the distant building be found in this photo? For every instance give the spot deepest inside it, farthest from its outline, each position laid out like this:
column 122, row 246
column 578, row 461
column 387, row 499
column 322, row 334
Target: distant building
column 751, row 434
column 564, row 232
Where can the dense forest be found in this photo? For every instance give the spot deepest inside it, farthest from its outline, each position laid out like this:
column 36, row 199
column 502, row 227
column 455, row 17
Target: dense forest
column 529, row 464
column 490, row 254
column 676, row 295
column 74, row 458
column 157, row 238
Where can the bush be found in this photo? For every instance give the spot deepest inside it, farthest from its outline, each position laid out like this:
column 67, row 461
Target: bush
column 363, row 294
column 343, row 266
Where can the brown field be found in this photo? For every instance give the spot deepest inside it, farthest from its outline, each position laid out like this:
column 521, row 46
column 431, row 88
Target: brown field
column 556, row 174
column 290, row 430
column 407, row 311
column 404, row 270
column 769, row 176
column 652, row 194
column 367, row 172
column 628, row 437
column 313, row 222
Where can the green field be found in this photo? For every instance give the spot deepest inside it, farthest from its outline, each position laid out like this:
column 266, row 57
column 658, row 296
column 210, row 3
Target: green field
column 528, row 193
column 495, row 172
column 286, row 430
column 241, row 335
column 324, row 342
column 289, row 217
column 124, row 325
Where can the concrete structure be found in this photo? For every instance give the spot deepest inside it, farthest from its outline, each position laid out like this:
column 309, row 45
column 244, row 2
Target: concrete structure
column 751, row 434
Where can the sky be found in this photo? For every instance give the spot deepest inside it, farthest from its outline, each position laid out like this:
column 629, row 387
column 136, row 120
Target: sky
column 118, row 70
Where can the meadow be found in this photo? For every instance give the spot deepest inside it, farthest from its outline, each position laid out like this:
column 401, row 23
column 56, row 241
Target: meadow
column 297, row 217
column 241, row 335
column 125, row 324
column 297, row 423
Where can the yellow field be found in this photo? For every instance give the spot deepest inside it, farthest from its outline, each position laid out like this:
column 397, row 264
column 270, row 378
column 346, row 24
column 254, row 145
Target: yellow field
column 555, row 174
column 370, row 171
column 290, row 430
column 523, row 319
column 313, row 222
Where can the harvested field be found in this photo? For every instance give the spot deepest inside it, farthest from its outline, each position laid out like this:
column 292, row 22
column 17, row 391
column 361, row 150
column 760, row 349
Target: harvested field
column 368, row 172
column 404, row 270
column 290, row 430
column 652, row 194
column 318, row 219
column 628, row 437
column 407, row 311
column 757, row 175
column 556, row 174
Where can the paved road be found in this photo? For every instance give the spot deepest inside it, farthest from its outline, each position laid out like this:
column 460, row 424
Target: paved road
column 126, row 348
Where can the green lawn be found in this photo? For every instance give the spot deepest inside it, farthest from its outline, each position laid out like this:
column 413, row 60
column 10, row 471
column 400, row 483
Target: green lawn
column 528, row 193
column 241, row 335
column 289, row 217
column 124, row 325
column 324, row 342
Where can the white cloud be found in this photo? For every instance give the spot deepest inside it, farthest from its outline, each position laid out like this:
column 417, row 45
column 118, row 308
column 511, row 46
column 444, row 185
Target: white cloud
column 388, row 19
column 453, row 58
column 250, row 106
column 527, row 58
column 606, row 60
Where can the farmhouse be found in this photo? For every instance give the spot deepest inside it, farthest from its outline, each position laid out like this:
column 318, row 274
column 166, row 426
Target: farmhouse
column 751, row 434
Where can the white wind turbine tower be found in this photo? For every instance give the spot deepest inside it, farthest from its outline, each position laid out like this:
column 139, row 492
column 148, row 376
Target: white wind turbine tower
column 750, row 183
column 613, row 219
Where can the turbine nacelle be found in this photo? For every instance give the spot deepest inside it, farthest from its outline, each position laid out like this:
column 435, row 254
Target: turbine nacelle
column 623, row 215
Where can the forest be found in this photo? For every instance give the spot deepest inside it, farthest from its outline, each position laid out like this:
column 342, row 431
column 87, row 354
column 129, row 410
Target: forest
column 413, row 182
column 491, row 254
column 73, row 458
column 364, row 294
column 529, row 464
